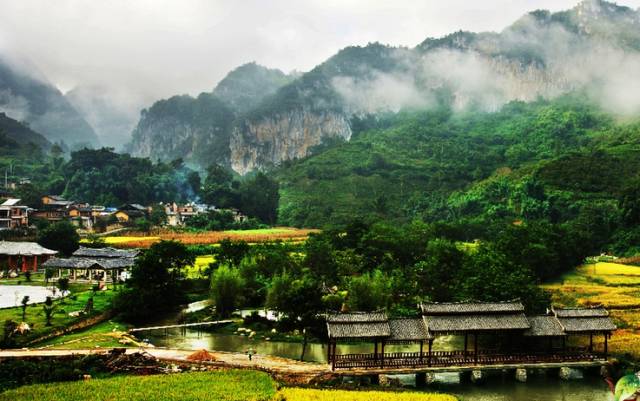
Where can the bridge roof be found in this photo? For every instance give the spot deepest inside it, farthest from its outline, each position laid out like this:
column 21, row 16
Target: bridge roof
column 464, row 308
column 408, row 330
column 544, row 326
column 474, row 323
column 358, row 325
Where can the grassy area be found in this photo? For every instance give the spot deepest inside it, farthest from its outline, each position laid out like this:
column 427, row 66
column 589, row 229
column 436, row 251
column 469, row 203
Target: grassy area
column 229, row 385
column 199, row 267
column 302, row 394
column 612, row 285
column 35, row 316
column 107, row 334
column 211, row 237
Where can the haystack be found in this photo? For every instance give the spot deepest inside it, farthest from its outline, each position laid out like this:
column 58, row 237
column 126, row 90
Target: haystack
column 201, row 356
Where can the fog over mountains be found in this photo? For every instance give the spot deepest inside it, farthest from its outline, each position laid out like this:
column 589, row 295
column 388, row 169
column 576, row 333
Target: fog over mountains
column 258, row 117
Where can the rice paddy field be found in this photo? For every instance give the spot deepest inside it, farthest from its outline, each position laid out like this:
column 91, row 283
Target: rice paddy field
column 224, row 385
column 615, row 286
column 212, row 237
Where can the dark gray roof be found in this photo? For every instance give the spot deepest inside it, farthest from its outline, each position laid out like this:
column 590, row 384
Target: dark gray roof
column 24, row 249
column 597, row 311
column 451, row 308
column 476, row 322
column 544, row 326
column 106, row 252
column 408, row 330
column 586, row 324
column 89, row 263
column 358, row 325
column 353, row 317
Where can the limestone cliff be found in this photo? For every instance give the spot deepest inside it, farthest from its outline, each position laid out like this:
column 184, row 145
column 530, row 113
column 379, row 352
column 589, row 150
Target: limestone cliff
column 287, row 136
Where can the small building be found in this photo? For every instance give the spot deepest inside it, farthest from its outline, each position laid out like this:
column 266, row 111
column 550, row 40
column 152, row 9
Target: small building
column 24, row 256
column 13, row 215
column 178, row 214
column 54, row 208
column 100, row 264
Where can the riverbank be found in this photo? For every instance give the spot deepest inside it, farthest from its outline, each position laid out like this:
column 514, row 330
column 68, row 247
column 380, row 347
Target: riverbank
column 228, row 385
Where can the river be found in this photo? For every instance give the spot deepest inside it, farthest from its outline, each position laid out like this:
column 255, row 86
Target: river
column 498, row 388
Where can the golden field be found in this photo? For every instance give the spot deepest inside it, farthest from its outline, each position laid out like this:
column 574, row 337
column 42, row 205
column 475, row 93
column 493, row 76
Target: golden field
column 302, row 394
column 212, row 237
column 612, row 285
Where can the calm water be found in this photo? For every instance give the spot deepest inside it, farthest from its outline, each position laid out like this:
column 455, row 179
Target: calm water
column 11, row 295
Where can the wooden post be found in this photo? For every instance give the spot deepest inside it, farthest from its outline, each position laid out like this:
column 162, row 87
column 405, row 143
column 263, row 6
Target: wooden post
column 465, row 345
column 333, row 356
column 606, row 347
column 590, row 342
column 475, row 347
column 35, row 263
column 430, row 346
column 382, row 354
column 375, row 350
column 329, row 350
column 421, row 348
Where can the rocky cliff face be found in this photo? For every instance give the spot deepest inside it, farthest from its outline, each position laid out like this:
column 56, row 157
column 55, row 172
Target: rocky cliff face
column 283, row 137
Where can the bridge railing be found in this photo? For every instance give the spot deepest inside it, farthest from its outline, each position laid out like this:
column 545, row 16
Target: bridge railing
column 459, row 358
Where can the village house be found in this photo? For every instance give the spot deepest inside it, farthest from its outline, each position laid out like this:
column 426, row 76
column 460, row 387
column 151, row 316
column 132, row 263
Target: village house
column 54, row 208
column 178, row 214
column 23, row 256
column 130, row 212
column 13, row 215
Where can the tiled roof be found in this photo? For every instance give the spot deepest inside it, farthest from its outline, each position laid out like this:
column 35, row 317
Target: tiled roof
column 24, row 248
column 476, row 322
column 408, row 330
column 581, row 312
column 450, row 308
column 544, row 326
column 107, row 252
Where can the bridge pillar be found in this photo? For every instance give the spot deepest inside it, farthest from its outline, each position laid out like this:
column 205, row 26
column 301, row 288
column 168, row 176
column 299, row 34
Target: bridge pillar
column 567, row 373
column 521, row 375
column 421, row 379
column 477, row 376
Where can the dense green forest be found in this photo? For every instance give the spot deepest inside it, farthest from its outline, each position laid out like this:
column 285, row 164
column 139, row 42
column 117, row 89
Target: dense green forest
column 560, row 161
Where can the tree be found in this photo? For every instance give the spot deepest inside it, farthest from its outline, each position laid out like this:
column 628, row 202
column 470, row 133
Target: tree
column 226, row 289
column 155, row 285
column 61, row 236
column 369, row 292
column 158, row 215
column 259, row 197
column 63, row 285
column 300, row 300
column 48, row 275
column 48, row 309
column 231, row 252
column 435, row 274
column 24, row 303
column 8, row 331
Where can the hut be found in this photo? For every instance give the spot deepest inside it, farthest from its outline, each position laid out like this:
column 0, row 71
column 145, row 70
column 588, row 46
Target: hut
column 100, row 264
column 586, row 321
column 24, row 256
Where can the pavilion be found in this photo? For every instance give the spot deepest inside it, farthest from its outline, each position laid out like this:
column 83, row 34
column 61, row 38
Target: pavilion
column 505, row 321
column 101, row 264
column 24, row 256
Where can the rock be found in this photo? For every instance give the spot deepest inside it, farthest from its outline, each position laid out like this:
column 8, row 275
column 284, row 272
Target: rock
column 477, row 376
column 521, row 375
column 567, row 373
column 387, row 381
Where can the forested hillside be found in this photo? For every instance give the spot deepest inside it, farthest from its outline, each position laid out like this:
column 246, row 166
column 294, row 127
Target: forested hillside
column 557, row 161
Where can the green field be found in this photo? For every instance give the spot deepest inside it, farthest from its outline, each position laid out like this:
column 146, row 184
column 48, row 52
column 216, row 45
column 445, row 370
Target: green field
column 35, row 316
column 227, row 385
column 107, row 334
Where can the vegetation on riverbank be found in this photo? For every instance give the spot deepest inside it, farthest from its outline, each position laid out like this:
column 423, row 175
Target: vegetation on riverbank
column 303, row 394
column 108, row 334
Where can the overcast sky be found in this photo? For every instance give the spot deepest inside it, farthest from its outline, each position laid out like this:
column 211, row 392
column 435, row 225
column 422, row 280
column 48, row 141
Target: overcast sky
column 157, row 48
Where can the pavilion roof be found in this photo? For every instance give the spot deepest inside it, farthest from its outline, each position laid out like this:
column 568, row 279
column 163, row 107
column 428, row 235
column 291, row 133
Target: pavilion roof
column 358, row 325
column 584, row 320
column 24, row 249
column 544, row 326
column 89, row 263
column 107, row 252
column 596, row 311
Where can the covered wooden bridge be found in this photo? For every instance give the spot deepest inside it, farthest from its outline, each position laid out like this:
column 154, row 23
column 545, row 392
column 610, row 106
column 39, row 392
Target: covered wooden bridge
column 508, row 336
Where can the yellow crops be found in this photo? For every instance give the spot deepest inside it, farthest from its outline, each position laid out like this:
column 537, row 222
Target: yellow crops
column 300, row 394
column 612, row 285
